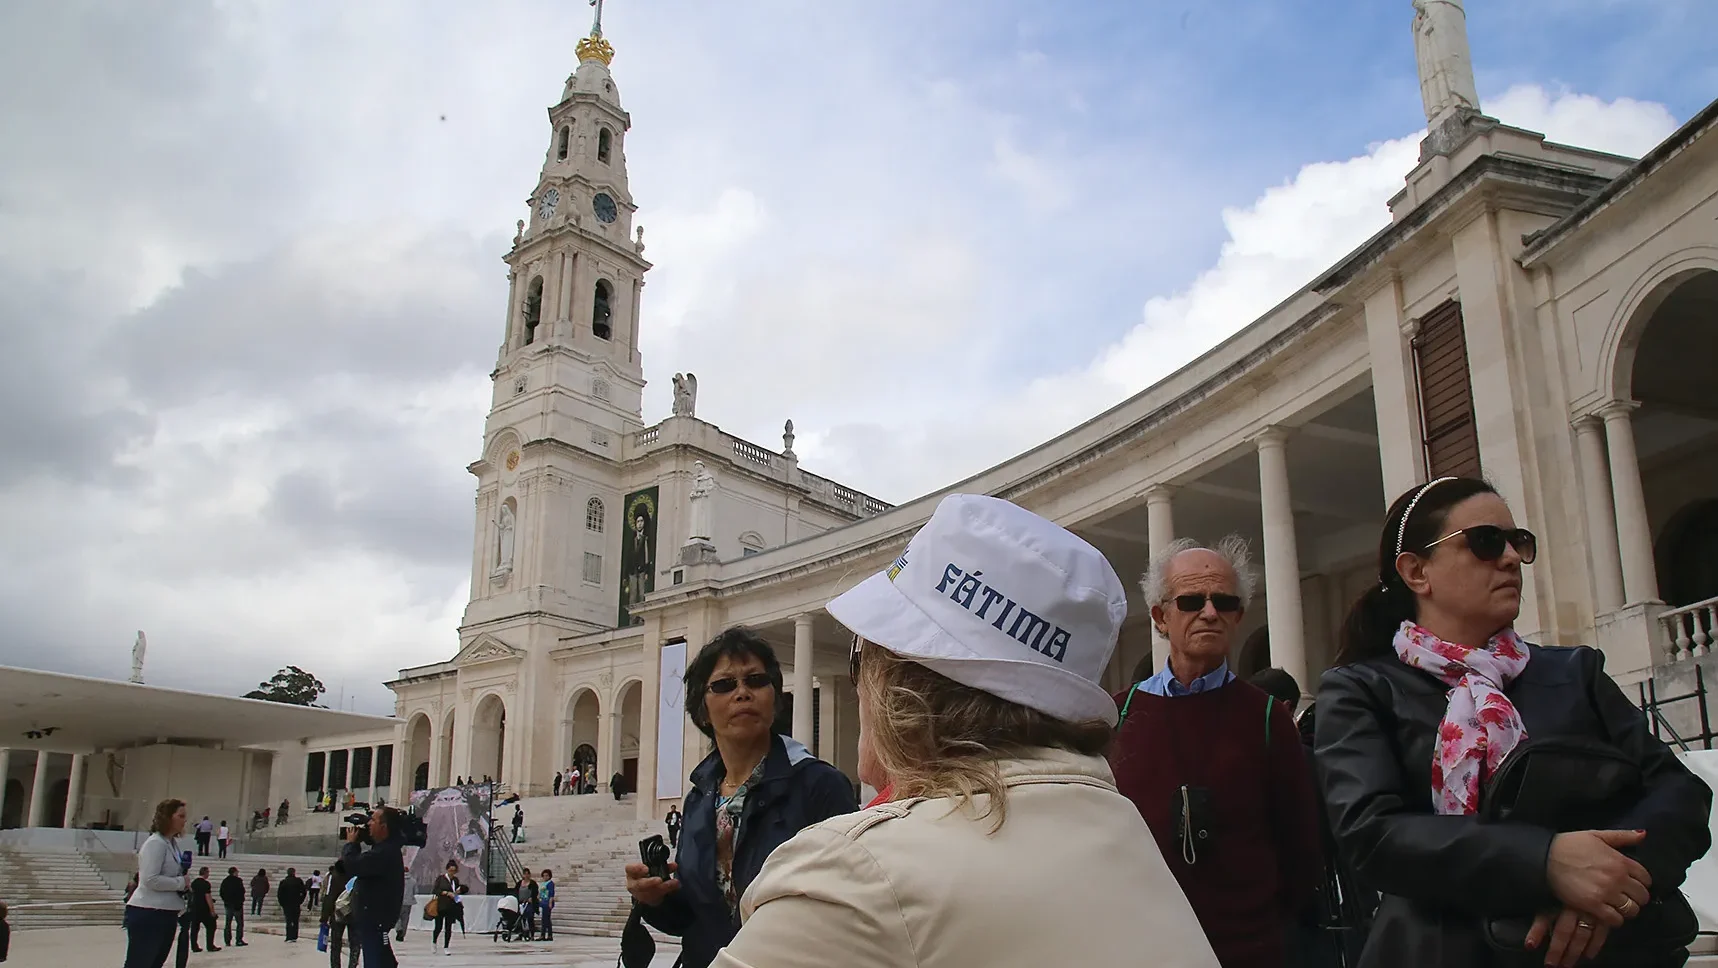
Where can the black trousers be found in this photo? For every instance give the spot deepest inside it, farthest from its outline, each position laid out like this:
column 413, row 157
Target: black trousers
column 149, row 936
column 256, row 905
column 341, row 935
column 235, row 915
column 223, row 849
column 207, row 923
column 673, row 836
column 291, row 914
column 443, row 926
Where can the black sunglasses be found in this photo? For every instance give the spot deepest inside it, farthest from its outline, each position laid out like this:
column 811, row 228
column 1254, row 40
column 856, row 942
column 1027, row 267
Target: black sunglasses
column 753, row 680
column 1219, row 601
column 1487, row 541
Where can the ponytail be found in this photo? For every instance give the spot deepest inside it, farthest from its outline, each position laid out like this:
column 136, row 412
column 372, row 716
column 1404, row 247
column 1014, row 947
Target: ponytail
column 1412, row 523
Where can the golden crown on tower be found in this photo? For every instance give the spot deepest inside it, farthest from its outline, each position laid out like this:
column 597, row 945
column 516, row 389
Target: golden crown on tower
column 595, row 47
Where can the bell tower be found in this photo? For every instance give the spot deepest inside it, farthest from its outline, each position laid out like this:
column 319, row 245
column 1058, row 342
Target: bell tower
column 568, row 380
column 577, row 266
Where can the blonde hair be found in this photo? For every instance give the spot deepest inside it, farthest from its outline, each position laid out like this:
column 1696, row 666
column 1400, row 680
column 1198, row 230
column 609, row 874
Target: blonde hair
column 934, row 737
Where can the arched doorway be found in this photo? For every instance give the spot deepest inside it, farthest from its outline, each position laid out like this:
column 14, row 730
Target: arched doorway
column 1688, row 555
column 1669, row 367
column 489, row 737
column 444, row 768
column 626, row 740
column 584, row 721
column 418, row 751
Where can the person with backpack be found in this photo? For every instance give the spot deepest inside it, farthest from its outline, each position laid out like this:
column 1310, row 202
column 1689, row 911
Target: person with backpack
column 1215, row 765
column 337, row 921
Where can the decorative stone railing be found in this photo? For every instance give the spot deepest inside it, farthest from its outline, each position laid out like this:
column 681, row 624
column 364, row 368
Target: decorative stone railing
column 712, row 439
column 1690, row 629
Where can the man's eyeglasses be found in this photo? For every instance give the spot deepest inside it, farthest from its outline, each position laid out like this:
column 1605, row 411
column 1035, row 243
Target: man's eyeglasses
column 753, row 680
column 853, row 660
column 1220, row 601
column 1487, row 542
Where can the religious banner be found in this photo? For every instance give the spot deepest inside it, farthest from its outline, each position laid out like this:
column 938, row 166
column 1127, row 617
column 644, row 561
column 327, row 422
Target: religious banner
column 637, row 553
column 670, row 717
column 456, row 822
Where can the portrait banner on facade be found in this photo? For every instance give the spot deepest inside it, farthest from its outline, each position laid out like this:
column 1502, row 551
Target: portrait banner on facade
column 670, row 714
column 637, row 552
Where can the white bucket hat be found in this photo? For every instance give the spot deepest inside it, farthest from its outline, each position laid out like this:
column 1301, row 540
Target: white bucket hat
column 999, row 599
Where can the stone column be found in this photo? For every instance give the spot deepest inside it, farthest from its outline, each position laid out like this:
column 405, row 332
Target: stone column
column 5, row 771
column 74, row 790
column 1601, row 515
column 1160, row 531
column 1395, row 392
column 829, row 690
column 1282, row 559
column 802, row 653
column 1634, row 530
column 39, row 791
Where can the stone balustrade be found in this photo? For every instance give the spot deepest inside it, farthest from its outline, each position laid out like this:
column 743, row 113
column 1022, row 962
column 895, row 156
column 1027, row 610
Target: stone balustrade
column 1689, row 630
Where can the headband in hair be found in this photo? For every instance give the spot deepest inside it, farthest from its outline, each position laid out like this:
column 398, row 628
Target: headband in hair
column 1402, row 528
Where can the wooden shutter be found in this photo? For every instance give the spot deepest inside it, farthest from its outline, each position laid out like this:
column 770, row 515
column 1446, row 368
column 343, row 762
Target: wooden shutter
column 1446, row 395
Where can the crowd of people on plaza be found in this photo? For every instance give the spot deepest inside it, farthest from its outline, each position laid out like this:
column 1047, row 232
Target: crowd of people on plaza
column 1451, row 795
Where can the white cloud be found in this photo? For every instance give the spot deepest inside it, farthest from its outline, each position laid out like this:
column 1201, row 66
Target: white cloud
column 1275, row 246
column 1624, row 126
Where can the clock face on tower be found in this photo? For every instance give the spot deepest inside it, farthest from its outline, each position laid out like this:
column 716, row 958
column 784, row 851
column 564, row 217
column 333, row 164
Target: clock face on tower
column 546, row 206
column 603, row 206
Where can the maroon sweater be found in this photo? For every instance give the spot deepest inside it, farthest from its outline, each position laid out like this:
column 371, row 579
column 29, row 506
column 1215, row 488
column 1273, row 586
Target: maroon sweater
column 1261, row 866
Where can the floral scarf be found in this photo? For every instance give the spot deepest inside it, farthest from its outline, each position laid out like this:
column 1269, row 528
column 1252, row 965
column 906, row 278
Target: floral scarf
column 728, row 813
column 1481, row 725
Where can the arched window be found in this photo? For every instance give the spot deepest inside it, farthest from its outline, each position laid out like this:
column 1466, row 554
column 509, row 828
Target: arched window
column 561, row 145
column 604, row 144
column 751, row 543
column 594, row 515
column 533, row 308
column 602, row 311
column 600, row 390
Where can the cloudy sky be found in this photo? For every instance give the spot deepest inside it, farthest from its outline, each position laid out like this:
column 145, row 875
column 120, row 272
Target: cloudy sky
column 250, row 277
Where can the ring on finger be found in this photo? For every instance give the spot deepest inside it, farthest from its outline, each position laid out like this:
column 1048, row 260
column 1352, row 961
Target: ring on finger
column 1628, row 908
column 1583, row 924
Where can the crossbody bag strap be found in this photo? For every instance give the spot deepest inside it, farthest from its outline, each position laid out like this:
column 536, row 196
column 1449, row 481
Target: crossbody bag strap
column 1125, row 705
column 1268, row 702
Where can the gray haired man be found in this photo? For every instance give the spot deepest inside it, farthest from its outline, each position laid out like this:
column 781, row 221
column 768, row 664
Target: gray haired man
column 1215, row 765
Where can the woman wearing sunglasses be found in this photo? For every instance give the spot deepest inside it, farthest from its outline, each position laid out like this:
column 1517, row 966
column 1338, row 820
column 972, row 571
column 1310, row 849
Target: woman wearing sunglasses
column 757, row 789
column 1576, row 851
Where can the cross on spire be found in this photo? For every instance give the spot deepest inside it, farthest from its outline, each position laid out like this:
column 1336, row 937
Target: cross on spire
column 596, row 24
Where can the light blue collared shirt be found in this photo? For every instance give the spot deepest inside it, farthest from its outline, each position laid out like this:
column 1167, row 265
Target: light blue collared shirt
column 1165, row 683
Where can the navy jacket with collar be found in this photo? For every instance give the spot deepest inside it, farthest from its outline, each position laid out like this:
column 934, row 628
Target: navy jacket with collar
column 797, row 790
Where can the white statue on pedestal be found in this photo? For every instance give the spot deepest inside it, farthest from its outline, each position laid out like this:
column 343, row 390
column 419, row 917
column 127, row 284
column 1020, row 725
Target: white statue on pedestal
column 699, row 505
column 504, row 539
column 138, row 648
column 1446, row 67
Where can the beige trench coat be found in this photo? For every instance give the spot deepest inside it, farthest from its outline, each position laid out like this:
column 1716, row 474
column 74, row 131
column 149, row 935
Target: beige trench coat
column 1072, row 878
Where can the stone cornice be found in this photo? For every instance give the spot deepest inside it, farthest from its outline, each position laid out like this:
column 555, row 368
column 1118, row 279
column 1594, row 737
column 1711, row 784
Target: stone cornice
column 1543, row 241
column 1555, row 183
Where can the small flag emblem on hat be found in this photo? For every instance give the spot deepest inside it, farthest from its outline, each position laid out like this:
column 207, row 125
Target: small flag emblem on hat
column 895, row 569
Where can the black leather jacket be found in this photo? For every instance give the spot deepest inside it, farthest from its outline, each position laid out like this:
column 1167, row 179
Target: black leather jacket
column 1376, row 723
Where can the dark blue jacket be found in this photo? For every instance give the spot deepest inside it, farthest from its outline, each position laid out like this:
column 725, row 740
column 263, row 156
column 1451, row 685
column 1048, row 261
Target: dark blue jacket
column 381, row 874
column 797, row 790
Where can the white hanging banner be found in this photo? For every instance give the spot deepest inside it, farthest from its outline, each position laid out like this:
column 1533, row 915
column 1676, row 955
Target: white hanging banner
column 670, row 728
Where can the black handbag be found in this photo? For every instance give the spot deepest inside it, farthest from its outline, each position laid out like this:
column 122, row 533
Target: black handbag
column 1580, row 784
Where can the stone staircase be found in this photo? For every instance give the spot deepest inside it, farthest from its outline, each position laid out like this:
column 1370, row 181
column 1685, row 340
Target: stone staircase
column 587, row 841
column 56, row 888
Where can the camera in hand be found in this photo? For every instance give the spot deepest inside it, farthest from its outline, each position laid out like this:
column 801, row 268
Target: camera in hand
column 412, row 831
column 654, row 853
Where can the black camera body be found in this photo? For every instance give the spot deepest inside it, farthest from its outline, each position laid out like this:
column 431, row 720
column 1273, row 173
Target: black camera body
column 412, row 831
column 653, row 851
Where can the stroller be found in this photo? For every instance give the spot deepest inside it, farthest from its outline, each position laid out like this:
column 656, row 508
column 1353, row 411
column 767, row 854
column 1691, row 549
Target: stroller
column 514, row 925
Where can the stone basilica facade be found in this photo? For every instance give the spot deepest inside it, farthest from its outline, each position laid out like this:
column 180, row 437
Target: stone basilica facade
column 1543, row 314
column 582, row 511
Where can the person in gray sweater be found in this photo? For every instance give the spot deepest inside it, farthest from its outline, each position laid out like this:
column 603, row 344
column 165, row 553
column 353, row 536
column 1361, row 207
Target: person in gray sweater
column 152, row 914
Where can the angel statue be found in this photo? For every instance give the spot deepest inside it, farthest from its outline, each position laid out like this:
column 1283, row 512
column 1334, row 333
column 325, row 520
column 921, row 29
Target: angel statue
column 685, row 395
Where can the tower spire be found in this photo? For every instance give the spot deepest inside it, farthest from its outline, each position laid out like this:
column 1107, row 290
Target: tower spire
column 595, row 47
